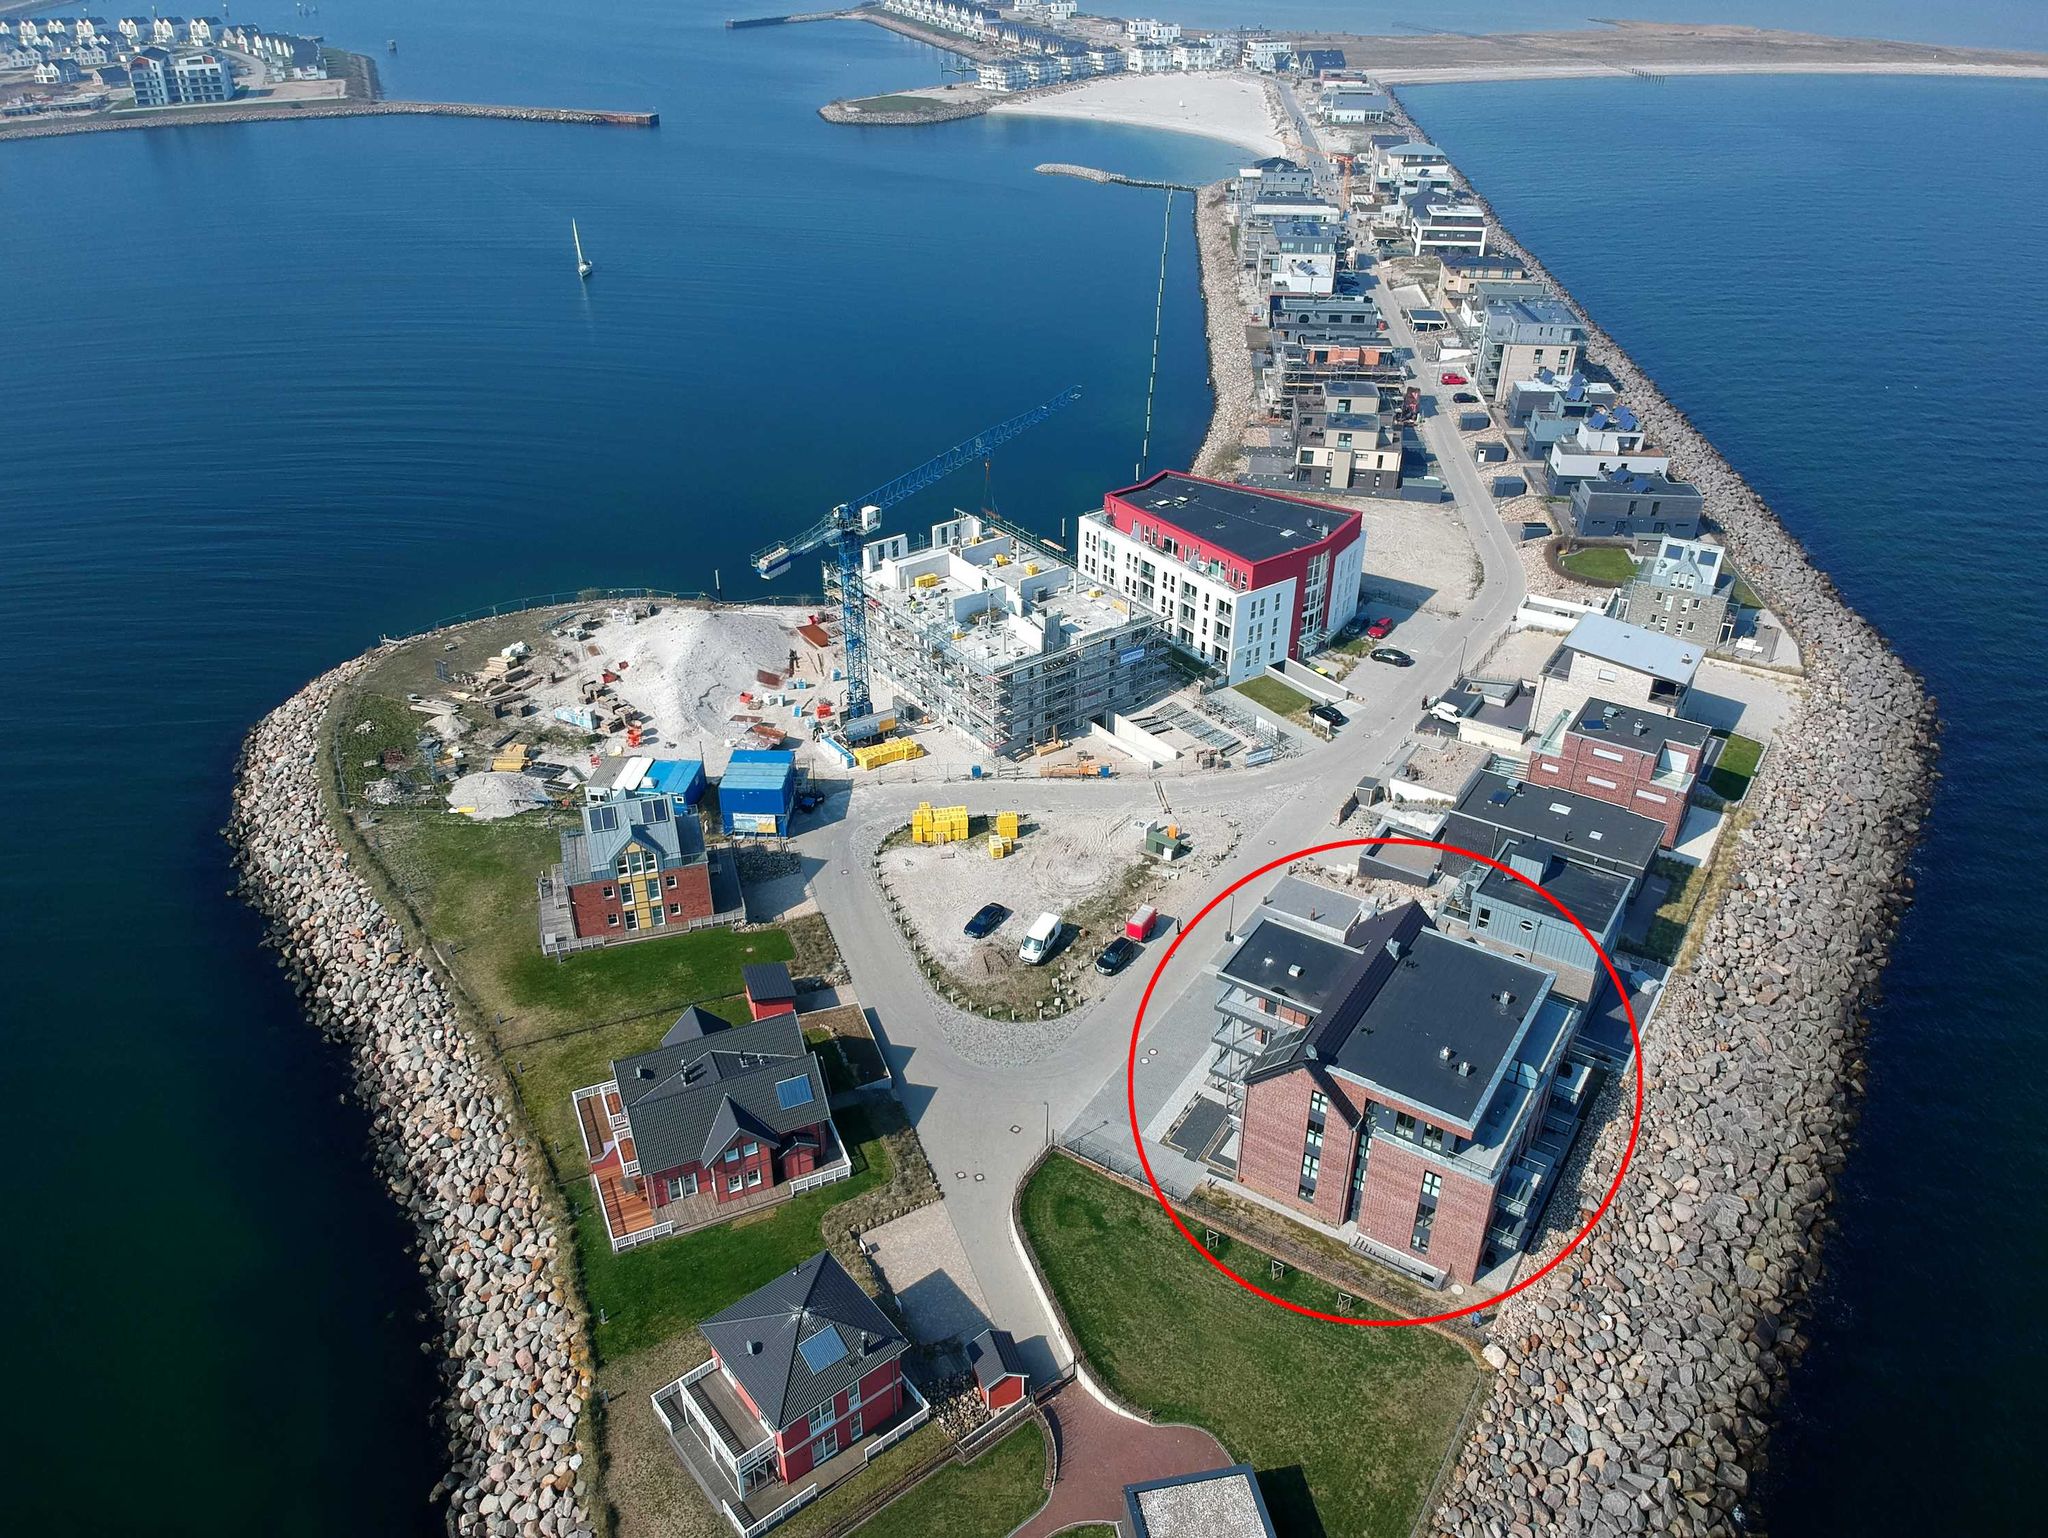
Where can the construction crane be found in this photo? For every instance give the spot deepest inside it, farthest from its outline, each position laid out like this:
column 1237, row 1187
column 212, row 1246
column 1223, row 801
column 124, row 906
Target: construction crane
column 847, row 524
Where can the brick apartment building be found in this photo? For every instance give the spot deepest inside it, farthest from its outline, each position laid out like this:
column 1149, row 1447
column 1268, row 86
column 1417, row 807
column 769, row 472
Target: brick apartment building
column 1640, row 760
column 1241, row 578
column 1404, row 1092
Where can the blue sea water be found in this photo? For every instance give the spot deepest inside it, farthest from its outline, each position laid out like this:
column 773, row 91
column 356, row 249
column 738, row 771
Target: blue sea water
column 1856, row 339
column 273, row 389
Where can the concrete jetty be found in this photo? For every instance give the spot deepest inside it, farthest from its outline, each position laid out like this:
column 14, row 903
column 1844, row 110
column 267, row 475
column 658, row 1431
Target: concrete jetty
column 275, row 112
column 1115, row 178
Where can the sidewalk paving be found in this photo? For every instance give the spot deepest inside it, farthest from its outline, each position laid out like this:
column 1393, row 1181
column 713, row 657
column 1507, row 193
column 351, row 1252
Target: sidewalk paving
column 1101, row 1451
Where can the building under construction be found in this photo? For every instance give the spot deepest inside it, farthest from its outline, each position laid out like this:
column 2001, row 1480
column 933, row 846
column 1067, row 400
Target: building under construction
column 991, row 633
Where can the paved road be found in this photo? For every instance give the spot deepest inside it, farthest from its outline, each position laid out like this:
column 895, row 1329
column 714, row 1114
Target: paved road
column 983, row 1124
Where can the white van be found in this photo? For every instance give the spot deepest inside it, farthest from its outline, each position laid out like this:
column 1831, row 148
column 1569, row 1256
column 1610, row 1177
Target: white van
column 1039, row 939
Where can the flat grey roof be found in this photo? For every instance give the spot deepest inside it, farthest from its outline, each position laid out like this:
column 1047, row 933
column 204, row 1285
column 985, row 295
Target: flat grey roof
column 1592, row 896
column 1268, row 958
column 1494, row 812
column 1443, row 996
column 1647, row 731
column 1631, row 646
column 1249, row 524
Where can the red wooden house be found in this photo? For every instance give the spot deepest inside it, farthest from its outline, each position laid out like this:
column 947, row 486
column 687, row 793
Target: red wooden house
column 999, row 1378
column 801, row 1370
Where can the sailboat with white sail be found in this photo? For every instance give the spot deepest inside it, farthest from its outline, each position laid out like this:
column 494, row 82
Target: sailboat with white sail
column 584, row 265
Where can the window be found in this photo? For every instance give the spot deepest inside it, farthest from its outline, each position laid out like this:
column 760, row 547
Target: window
column 611, row 920
column 632, row 919
column 732, row 1156
column 1433, row 1137
column 672, row 1189
column 853, row 1428
column 1425, row 1213
column 732, row 1185
column 1404, row 1125
column 609, row 892
column 1311, row 1169
column 754, row 1176
column 671, row 883
column 1432, row 1185
column 675, row 908
column 1318, row 1106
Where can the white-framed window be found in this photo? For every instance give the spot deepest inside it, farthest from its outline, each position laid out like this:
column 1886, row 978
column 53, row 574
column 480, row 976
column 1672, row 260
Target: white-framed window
column 732, row 1185
column 821, row 1417
column 754, row 1176
column 732, row 1156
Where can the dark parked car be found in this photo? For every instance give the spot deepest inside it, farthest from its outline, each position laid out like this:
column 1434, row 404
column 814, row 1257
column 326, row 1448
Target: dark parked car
column 1393, row 656
column 1329, row 715
column 1465, row 398
column 987, row 921
column 1116, row 955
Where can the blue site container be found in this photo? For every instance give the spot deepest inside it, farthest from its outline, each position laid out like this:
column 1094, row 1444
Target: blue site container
column 757, row 793
column 680, row 779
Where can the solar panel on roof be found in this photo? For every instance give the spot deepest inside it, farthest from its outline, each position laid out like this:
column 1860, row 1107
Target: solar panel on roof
column 604, row 819
column 822, row 1350
column 1501, row 797
column 791, row 1093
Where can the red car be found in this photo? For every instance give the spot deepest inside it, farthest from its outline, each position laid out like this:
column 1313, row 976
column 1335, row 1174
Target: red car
column 1453, row 379
column 1380, row 628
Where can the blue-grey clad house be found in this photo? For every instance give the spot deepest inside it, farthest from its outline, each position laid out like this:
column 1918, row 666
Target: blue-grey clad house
column 1635, row 504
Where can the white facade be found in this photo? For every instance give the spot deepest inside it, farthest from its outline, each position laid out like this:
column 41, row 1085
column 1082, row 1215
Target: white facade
column 1265, row 53
column 1147, row 31
column 1241, row 633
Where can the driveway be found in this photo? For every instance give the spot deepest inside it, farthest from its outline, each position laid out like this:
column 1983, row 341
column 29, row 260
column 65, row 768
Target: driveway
column 1101, row 1451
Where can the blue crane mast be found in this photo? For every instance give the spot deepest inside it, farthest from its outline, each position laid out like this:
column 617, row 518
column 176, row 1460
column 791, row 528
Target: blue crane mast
column 850, row 522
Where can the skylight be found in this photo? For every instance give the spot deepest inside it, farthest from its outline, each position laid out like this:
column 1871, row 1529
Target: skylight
column 791, row 1093
column 822, row 1350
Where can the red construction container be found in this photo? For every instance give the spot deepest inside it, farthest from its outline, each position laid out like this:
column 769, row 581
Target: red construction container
column 1139, row 924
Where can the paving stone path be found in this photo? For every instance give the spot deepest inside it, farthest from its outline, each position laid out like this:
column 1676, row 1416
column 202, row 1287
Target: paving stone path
column 1102, row 1451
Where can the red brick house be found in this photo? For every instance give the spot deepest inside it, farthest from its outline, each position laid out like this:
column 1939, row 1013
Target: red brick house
column 715, row 1120
column 801, row 1370
column 635, row 868
column 1641, row 760
column 1411, row 1110
column 999, row 1377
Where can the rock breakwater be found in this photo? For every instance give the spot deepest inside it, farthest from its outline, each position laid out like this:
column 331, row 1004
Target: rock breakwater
column 517, row 1373
column 1230, row 358
column 1634, row 1384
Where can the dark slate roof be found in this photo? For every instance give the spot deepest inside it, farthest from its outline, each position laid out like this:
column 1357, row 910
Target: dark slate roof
column 1266, row 959
column 768, row 981
column 680, row 1094
column 1625, row 726
column 1366, row 971
column 1249, row 524
column 1442, row 994
column 1593, row 896
column 693, row 1024
column 758, row 1339
column 994, row 1356
column 1494, row 812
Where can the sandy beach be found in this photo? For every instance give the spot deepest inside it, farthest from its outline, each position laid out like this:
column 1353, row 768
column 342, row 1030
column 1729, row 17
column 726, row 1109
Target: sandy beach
column 1233, row 108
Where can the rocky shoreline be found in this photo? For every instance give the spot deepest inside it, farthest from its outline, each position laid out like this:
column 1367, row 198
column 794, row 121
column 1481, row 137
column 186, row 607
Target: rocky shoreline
column 1634, row 1383
column 514, row 1359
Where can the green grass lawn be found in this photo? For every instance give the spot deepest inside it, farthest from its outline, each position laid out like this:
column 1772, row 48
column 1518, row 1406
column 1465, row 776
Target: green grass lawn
column 1277, row 697
column 982, row 1499
column 473, row 885
column 1666, row 932
column 830, row 1509
column 1346, row 1426
column 1735, row 768
column 1744, row 596
column 392, row 724
column 1609, row 564
column 651, row 1293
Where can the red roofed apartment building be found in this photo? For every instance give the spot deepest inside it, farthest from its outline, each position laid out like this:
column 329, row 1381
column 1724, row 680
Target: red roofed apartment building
column 1242, row 578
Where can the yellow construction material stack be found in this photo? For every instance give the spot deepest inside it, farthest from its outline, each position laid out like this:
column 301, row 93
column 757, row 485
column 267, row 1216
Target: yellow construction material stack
column 929, row 579
column 998, row 846
column 896, row 751
column 511, row 761
column 1006, row 826
column 938, row 824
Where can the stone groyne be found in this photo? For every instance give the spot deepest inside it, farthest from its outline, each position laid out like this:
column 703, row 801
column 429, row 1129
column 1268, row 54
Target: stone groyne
column 517, row 1374
column 53, row 127
column 1230, row 359
column 1634, row 1383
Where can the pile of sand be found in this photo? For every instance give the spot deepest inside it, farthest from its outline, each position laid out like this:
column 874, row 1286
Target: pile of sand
column 490, row 796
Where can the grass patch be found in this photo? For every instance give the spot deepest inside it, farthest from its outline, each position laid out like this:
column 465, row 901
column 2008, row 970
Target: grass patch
column 473, row 887
column 991, row 1495
column 1609, row 565
column 1744, row 596
column 1277, row 697
column 1736, row 767
column 1668, row 926
column 392, row 725
column 1348, row 1426
column 825, row 1513
column 648, row 1294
